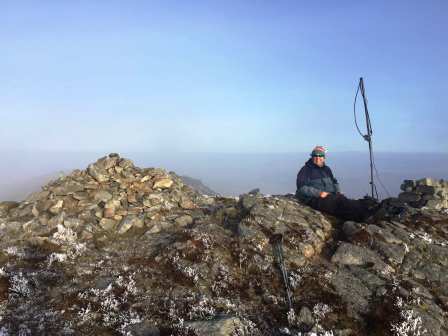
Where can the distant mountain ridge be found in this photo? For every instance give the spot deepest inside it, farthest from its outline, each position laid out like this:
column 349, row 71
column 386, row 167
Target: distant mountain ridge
column 18, row 190
column 197, row 185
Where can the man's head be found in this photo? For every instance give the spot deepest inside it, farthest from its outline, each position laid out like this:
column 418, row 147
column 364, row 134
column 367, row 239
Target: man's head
column 318, row 156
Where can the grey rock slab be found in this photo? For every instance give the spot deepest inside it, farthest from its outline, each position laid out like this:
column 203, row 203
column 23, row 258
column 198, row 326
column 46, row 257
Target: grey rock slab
column 102, row 195
column 305, row 319
column 6, row 206
column 439, row 254
column 393, row 252
column 427, row 181
column 66, row 188
column 401, row 233
column 143, row 329
column 411, row 260
column 73, row 222
column 409, row 197
column 429, row 322
column 344, row 332
column 349, row 254
column 248, row 201
column 34, row 197
column 57, row 207
column 108, row 224
column 385, row 234
column 350, row 228
column 370, row 279
column 352, row 291
column 103, row 282
column 97, row 173
column 408, row 185
column 126, row 164
column 425, row 189
column 156, row 227
column 435, row 204
column 163, row 183
column 109, row 162
column 128, row 222
column 247, row 231
column 226, row 326
column 184, row 220
column 433, row 272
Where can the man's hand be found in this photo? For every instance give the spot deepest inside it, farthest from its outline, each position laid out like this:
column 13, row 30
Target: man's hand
column 323, row 194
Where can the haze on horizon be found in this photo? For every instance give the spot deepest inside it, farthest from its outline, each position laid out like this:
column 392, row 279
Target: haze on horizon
column 181, row 77
column 230, row 174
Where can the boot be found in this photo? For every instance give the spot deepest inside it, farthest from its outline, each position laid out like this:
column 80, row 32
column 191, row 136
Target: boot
column 386, row 210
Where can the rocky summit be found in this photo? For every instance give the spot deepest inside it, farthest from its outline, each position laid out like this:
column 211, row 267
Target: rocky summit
column 120, row 250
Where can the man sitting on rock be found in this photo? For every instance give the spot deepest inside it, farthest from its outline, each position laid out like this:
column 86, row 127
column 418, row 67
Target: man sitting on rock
column 317, row 187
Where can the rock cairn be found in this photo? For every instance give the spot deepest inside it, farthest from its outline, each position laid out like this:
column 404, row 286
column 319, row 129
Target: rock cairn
column 426, row 192
column 111, row 195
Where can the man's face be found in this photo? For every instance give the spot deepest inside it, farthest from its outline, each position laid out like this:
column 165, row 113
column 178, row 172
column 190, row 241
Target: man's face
column 319, row 160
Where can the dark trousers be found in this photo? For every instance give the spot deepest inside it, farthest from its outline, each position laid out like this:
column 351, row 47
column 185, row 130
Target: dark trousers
column 342, row 207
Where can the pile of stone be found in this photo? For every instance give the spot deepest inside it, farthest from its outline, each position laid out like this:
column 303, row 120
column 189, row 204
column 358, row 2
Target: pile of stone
column 111, row 195
column 426, row 192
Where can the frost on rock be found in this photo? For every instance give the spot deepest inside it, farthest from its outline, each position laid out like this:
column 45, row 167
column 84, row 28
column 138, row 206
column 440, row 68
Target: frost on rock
column 427, row 238
column 287, row 331
column 320, row 310
column 202, row 310
column 65, row 235
column 410, row 323
column 15, row 251
column 294, row 279
column 68, row 267
column 67, row 238
column 245, row 328
column 59, row 257
column 112, row 308
column 291, row 316
column 20, row 286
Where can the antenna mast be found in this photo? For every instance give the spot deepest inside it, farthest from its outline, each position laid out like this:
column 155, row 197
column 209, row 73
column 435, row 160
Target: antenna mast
column 367, row 137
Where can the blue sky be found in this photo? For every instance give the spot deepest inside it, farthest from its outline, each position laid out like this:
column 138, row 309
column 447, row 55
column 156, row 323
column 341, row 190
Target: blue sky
column 221, row 76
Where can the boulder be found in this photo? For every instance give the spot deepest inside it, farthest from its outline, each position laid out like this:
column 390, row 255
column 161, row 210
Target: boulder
column 409, row 197
column 163, row 183
column 6, row 206
column 184, row 220
column 130, row 222
column 225, row 326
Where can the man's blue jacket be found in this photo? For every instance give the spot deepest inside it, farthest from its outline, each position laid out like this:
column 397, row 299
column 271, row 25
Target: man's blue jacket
column 312, row 180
